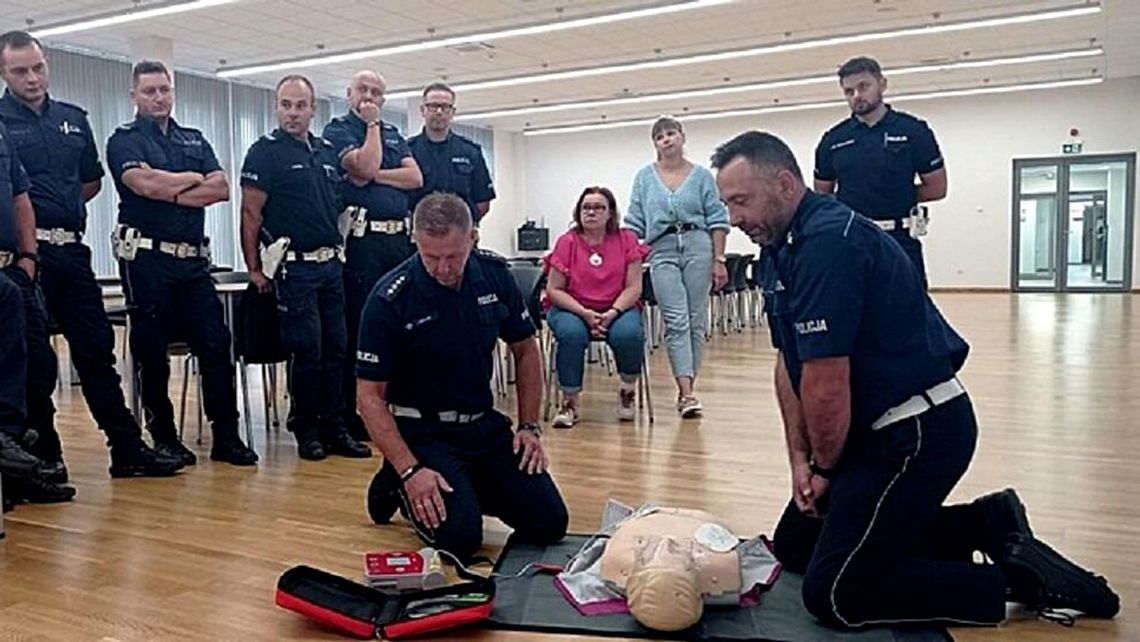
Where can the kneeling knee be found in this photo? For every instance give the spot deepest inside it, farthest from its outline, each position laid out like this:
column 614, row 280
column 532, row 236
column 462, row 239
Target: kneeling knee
column 547, row 528
column 817, row 597
column 461, row 540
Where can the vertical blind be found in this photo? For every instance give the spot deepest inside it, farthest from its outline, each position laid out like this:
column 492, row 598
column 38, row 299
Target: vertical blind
column 231, row 115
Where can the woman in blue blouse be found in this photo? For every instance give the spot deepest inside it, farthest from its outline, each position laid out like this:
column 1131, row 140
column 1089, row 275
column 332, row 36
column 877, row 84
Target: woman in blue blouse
column 676, row 209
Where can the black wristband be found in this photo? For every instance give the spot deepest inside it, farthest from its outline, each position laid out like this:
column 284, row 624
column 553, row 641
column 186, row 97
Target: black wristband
column 820, row 471
column 532, row 427
column 411, row 472
column 31, row 256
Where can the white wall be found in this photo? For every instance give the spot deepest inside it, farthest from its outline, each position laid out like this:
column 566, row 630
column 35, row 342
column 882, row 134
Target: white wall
column 969, row 242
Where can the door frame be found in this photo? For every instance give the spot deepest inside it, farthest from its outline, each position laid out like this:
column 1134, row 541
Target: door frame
column 1061, row 234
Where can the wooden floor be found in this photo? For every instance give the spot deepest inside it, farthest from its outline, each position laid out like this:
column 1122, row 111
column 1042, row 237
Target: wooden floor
column 196, row 557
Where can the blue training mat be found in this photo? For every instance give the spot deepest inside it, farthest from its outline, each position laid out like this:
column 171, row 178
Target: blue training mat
column 532, row 603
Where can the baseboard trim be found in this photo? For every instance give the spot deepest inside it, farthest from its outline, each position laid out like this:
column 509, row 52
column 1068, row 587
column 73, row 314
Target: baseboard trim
column 973, row 289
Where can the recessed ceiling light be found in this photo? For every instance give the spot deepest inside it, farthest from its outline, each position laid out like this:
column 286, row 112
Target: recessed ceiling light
column 437, row 43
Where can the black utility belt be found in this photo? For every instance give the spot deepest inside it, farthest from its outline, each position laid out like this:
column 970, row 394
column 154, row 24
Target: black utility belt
column 58, row 236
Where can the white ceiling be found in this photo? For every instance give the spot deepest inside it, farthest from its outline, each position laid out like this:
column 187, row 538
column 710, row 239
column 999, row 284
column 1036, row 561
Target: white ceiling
column 257, row 31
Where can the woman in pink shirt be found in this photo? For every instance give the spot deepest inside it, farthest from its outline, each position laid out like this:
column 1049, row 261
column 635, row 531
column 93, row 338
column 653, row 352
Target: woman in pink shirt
column 594, row 291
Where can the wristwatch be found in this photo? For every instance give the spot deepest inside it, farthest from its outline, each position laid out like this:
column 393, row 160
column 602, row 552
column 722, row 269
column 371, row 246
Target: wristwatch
column 531, row 426
column 820, row 471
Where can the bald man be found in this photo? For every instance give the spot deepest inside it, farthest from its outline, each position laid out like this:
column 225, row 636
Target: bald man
column 380, row 176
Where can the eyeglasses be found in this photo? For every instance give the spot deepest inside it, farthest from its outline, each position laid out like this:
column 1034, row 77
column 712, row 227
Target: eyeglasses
column 442, row 108
column 589, row 207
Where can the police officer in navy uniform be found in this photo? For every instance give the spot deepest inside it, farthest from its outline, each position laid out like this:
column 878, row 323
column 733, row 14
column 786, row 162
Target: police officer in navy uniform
column 31, row 458
column 878, row 426
column 58, row 151
column 874, row 156
column 427, row 340
column 288, row 185
column 166, row 176
column 379, row 174
column 450, row 162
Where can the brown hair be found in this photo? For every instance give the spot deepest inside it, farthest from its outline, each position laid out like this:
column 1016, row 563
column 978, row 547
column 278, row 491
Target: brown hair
column 612, row 224
column 439, row 213
column 665, row 123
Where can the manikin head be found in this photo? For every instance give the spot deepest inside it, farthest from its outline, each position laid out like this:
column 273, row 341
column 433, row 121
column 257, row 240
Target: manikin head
column 663, row 592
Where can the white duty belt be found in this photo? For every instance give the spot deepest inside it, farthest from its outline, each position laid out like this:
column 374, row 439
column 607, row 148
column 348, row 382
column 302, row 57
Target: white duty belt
column 920, row 403
column 319, row 255
column 387, row 227
column 177, row 250
column 58, row 236
column 444, row 416
column 893, row 224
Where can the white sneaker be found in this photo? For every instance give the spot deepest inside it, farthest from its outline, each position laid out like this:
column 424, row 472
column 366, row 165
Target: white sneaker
column 566, row 417
column 689, row 407
column 626, row 404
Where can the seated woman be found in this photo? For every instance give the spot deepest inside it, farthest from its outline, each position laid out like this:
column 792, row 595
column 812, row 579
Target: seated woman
column 594, row 291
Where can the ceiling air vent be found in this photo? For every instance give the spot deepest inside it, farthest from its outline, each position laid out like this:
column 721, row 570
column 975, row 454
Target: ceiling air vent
column 464, row 48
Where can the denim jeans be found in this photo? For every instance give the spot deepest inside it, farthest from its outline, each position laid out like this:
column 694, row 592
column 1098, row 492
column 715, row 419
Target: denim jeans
column 625, row 337
column 681, row 268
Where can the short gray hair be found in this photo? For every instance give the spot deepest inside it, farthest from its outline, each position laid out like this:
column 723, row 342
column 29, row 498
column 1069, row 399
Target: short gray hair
column 439, row 213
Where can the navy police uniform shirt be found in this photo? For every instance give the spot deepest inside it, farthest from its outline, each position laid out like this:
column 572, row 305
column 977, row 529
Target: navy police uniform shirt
column 58, row 151
column 300, row 180
column 454, row 165
column 434, row 345
column 13, row 182
column 383, row 202
column 836, row 285
column 875, row 166
column 181, row 149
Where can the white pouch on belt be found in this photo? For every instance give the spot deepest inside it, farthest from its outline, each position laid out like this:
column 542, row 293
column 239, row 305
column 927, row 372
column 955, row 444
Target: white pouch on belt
column 273, row 255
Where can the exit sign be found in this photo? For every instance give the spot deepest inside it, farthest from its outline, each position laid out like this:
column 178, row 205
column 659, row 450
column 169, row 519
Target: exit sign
column 1071, row 148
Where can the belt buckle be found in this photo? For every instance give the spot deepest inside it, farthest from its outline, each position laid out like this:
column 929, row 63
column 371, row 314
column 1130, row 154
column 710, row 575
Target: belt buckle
column 56, row 236
column 324, row 254
column 182, row 250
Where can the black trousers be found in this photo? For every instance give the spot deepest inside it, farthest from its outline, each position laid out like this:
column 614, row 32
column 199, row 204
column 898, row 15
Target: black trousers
column 75, row 303
column 478, row 461
column 887, row 550
column 310, row 298
column 41, row 370
column 913, row 249
column 368, row 258
column 174, row 300
column 14, row 357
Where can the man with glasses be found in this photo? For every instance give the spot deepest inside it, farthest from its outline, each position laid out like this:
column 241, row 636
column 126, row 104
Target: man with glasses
column 450, row 162
column 380, row 174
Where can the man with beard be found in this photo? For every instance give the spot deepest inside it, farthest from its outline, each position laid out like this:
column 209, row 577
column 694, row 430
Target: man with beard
column 874, row 155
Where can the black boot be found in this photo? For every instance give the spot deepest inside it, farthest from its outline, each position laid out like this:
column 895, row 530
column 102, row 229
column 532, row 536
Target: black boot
column 138, row 460
column 309, row 447
column 344, row 445
column 174, row 449
column 232, row 450
column 55, row 471
column 15, row 459
column 1041, row 579
column 37, row 490
column 383, row 498
column 1002, row 513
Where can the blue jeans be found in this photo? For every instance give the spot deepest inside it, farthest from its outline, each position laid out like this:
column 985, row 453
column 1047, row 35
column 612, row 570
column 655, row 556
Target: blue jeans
column 625, row 337
column 681, row 268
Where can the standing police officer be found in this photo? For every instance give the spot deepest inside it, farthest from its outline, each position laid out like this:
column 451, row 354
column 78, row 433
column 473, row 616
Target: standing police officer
column 27, row 362
column 874, row 156
column 288, row 191
column 879, row 428
column 427, row 339
column 166, row 176
column 450, row 162
column 58, row 151
column 379, row 174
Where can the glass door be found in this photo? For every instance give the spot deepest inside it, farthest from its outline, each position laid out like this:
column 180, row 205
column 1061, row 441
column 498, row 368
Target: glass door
column 1072, row 223
column 1035, row 227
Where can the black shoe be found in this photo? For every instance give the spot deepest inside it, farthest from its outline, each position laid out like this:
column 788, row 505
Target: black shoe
column 383, row 498
column 310, row 448
column 345, row 446
column 16, row 460
column 1002, row 514
column 176, row 450
column 138, row 460
column 1043, row 580
column 54, row 471
column 356, row 428
column 233, row 451
column 37, row 490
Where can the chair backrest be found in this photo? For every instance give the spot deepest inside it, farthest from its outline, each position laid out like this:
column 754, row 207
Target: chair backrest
column 738, row 275
column 230, row 277
column 730, row 262
column 257, row 331
column 648, row 296
column 531, row 280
